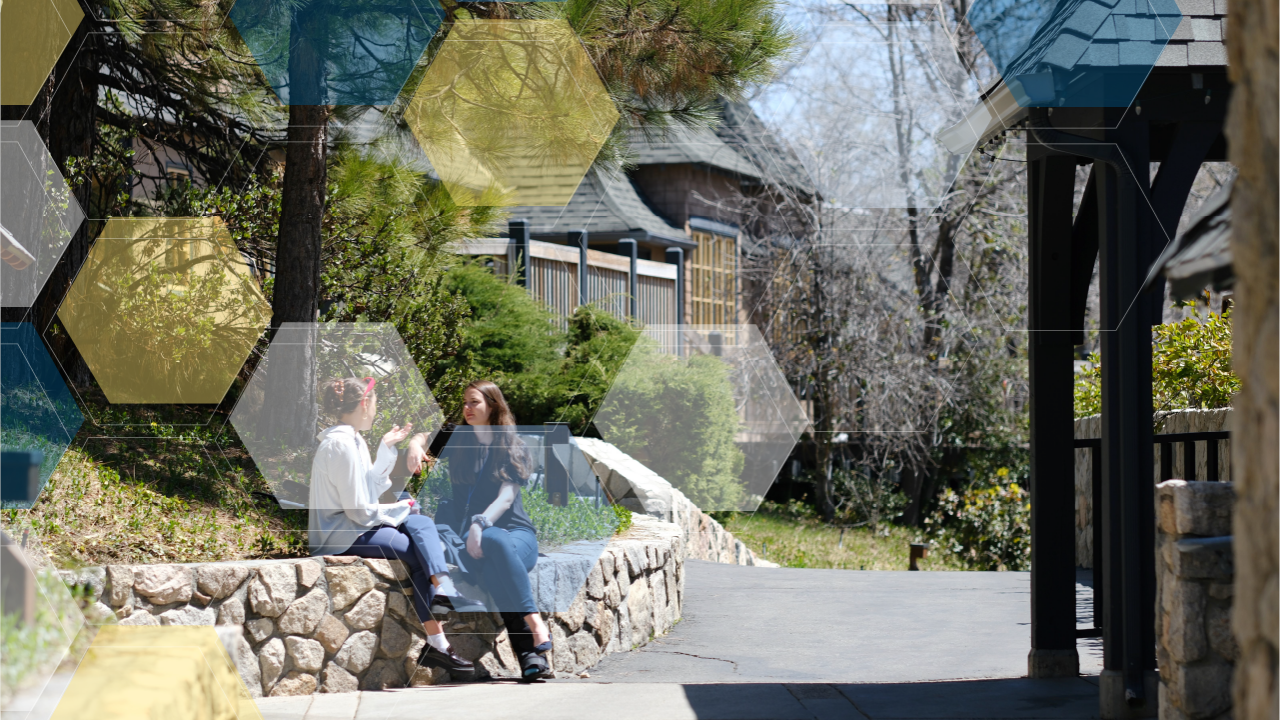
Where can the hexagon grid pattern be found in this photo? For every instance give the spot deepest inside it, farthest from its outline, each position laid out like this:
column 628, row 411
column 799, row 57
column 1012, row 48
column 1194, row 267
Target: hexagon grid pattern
column 33, row 34
column 172, row 671
column 38, row 213
column 1076, row 53
column 278, row 415
column 511, row 112
column 165, row 310
column 560, row 492
column 708, row 409
column 36, row 592
column 353, row 52
column 37, row 411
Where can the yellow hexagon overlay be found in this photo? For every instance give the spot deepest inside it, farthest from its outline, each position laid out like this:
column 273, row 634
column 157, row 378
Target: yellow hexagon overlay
column 174, row 672
column 165, row 310
column 511, row 112
column 33, row 34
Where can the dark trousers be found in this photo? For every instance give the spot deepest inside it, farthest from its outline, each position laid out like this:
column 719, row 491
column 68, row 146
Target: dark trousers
column 509, row 555
column 416, row 543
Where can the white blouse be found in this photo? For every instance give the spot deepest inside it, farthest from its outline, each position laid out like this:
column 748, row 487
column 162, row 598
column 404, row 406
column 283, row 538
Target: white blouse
column 345, row 486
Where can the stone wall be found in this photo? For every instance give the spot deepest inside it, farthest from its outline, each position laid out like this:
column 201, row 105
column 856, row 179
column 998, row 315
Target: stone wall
column 1195, row 648
column 1178, row 421
column 641, row 490
column 1253, row 142
column 339, row 624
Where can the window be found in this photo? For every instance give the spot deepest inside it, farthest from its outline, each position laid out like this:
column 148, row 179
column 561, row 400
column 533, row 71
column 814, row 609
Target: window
column 713, row 267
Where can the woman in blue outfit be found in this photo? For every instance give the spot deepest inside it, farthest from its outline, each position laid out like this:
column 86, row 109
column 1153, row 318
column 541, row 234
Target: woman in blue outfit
column 346, row 518
column 488, row 465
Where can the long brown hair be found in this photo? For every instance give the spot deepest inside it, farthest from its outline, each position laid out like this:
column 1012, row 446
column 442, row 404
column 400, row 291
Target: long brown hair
column 499, row 412
column 506, row 440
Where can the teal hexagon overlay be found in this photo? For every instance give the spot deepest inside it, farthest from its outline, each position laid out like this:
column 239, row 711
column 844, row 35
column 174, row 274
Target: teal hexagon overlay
column 37, row 411
column 1074, row 53
column 337, row 52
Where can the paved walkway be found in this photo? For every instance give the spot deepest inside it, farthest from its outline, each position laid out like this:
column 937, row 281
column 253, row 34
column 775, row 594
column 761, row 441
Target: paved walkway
column 1010, row 699
column 824, row 644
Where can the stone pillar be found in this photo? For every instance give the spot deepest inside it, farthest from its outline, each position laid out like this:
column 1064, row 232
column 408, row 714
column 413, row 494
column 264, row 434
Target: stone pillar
column 1252, row 41
column 1194, row 646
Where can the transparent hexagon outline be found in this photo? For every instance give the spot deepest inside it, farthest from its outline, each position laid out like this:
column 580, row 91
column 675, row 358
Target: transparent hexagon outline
column 562, row 567
column 565, row 32
column 1046, row 14
column 191, row 650
column 756, row 369
column 412, row 62
column 243, row 294
column 259, row 393
column 35, row 233
column 43, row 372
column 961, row 106
column 59, row 16
column 54, row 602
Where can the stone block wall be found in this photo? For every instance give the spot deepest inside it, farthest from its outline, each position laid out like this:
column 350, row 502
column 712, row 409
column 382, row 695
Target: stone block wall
column 340, row 624
column 1178, row 421
column 643, row 491
column 1194, row 571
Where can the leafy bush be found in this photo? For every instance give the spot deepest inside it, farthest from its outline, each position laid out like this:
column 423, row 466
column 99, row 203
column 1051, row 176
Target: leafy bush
column 580, row 519
column 1190, row 368
column 988, row 527
column 677, row 416
column 867, row 499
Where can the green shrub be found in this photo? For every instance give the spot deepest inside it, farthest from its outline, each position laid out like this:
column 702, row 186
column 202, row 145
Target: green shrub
column 580, row 519
column 677, row 416
column 988, row 526
column 1190, row 368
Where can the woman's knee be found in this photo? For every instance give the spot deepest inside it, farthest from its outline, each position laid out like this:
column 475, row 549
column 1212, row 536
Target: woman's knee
column 498, row 541
column 420, row 522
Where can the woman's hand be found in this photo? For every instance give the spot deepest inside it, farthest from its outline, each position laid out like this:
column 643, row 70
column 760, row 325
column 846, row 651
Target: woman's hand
column 473, row 541
column 397, row 435
column 416, row 457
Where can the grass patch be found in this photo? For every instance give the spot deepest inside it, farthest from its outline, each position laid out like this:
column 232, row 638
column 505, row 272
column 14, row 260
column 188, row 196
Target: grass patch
column 804, row 542
column 170, row 486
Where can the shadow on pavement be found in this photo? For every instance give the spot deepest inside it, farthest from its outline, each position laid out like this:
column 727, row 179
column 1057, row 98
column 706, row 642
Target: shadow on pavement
column 1004, row 699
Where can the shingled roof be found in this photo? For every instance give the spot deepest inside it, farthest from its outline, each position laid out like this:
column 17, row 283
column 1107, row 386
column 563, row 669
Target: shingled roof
column 608, row 208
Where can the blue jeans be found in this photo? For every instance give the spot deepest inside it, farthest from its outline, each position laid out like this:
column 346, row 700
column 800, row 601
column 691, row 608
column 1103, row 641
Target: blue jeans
column 416, row 543
column 509, row 555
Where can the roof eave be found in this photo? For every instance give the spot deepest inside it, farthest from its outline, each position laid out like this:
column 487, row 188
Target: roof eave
column 998, row 110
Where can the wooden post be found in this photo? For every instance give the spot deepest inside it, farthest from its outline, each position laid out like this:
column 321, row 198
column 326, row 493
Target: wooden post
column 555, row 474
column 1051, row 187
column 518, row 231
column 578, row 239
column 627, row 247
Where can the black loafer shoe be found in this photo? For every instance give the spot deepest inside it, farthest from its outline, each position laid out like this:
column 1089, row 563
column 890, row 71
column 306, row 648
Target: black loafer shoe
column 431, row 657
column 444, row 604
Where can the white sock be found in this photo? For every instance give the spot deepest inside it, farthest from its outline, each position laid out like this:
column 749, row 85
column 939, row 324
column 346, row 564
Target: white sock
column 446, row 586
column 439, row 642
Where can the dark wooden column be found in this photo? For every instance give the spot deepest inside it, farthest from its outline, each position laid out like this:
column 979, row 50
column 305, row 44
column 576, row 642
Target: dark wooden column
column 578, row 239
column 1051, row 186
column 518, row 231
column 1128, row 683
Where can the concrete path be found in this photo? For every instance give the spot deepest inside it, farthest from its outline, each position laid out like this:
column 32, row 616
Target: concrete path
column 747, row 624
column 1010, row 699
column 778, row 644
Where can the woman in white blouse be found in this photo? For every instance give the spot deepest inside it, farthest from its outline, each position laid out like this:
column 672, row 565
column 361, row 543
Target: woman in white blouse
column 345, row 517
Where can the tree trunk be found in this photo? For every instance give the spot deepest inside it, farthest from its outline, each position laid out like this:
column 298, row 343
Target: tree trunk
column 1254, row 141
column 296, row 295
